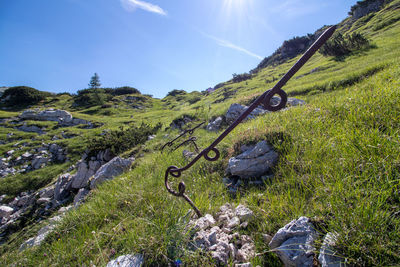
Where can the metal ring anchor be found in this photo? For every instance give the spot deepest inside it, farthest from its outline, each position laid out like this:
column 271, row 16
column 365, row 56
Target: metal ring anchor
column 264, row 99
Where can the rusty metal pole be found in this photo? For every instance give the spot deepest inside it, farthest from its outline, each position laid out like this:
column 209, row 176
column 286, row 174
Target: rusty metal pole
column 264, row 99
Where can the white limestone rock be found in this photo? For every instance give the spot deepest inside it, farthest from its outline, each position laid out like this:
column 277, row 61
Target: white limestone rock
column 127, row 261
column 111, row 169
column 253, row 162
column 294, row 243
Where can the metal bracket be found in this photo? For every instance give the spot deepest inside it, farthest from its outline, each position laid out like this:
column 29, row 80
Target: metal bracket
column 264, row 99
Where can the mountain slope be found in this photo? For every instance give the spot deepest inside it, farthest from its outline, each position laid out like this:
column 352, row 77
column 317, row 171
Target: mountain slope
column 338, row 165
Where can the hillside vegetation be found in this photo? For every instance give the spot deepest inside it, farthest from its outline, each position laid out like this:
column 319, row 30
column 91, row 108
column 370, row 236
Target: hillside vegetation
column 339, row 161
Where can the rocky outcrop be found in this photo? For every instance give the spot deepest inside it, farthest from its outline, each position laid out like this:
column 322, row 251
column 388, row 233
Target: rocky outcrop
column 363, row 8
column 294, row 243
column 31, row 129
column 63, row 117
column 127, row 261
column 113, row 168
column 220, row 236
column 253, row 162
column 85, row 171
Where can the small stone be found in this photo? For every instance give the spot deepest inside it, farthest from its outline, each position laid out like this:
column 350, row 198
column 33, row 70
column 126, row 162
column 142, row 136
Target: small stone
column 204, row 222
column 244, row 214
column 267, row 238
column 232, row 223
column 244, row 225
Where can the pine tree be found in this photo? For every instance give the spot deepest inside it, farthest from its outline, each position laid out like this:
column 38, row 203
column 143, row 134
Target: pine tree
column 95, row 84
column 94, row 81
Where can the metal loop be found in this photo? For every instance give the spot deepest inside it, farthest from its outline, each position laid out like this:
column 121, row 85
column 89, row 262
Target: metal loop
column 266, row 102
column 216, row 157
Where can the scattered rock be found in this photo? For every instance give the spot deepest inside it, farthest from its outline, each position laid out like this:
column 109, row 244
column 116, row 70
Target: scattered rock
column 108, row 171
column 327, row 255
column 188, row 154
column 127, row 261
column 245, row 214
column 235, row 110
column 181, row 122
column 253, row 162
column 218, row 238
column 294, row 243
column 215, row 125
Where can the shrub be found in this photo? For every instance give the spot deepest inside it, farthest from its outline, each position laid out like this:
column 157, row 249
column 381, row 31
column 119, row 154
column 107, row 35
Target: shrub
column 341, row 45
column 23, row 96
column 240, row 77
column 176, row 92
column 121, row 140
column 125, row 90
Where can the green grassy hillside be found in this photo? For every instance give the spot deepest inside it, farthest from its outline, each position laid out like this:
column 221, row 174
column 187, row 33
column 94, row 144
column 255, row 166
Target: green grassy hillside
column 339, row 159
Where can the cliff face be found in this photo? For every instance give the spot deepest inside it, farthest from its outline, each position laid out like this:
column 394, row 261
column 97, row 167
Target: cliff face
column 365, row 7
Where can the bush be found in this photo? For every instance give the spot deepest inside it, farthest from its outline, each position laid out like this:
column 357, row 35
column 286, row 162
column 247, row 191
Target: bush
column 240, row 77
column 341, row 45
column 23, row 96
column 125, row 90
column 176, row 92
column 119, row 141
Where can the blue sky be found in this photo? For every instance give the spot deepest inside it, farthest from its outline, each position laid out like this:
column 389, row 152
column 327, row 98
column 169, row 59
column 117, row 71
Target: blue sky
column 153, row 45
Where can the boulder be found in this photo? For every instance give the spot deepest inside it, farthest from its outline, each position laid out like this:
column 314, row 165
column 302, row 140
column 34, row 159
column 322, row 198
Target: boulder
column 5, row 211
column 39, row 161
column 47, row 192
column 61, row 116
column 253, row 162
column 31, row 129
column 127, row 261
column 327, row 255
column 243, row 213
column 215, row 125
column 108, row 171
column 80, row 196
column 85, row 171
column 62, row 187
column 235, row 110
column 294, row 243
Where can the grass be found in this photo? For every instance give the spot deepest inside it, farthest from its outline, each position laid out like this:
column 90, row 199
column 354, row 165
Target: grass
column 339, row 165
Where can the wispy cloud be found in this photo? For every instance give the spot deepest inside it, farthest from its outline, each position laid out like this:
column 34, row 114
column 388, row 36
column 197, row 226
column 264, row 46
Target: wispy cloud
column 228, row 44
column 131, row 5
column 295, row 8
